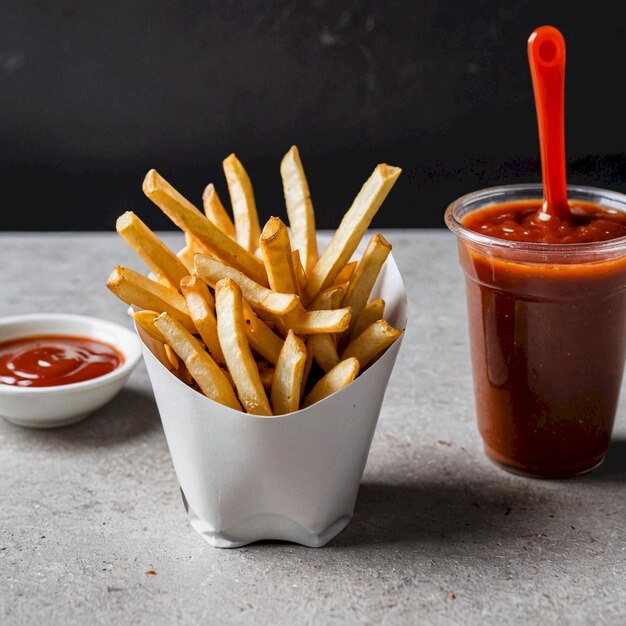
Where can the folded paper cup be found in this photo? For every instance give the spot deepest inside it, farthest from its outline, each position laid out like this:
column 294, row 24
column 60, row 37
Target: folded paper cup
column 292, row 477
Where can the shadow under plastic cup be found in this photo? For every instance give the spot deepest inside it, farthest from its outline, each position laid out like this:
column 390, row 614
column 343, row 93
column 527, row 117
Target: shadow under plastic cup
column 547, row 329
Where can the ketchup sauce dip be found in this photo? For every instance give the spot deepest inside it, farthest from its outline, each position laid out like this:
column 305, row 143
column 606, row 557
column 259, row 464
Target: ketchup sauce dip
column 52, row 360
column 523, row 221
column 547, row 324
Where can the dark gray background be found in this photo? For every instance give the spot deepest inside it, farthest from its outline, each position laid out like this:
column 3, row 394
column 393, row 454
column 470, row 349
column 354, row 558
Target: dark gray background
column 95, row 93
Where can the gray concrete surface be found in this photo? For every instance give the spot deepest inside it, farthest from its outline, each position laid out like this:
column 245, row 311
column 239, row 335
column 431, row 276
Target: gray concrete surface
column 440, row 535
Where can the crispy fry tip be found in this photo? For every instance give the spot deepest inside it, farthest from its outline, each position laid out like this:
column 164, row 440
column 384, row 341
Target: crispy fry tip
column 389, row 171
column 124, row 220
column 149, row 182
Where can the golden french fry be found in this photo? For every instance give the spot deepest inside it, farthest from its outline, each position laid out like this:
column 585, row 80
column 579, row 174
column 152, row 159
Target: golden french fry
column 193, row 284
column 260, row 335
column 171, row 356
column 166, row 266
column 277, row 256
column 308, row 364
column 352, row 228
column 192, row 247
column 188, row 218
column 260, row 298
column 345, row 274
column 246, row 218
column 299, row 208
column 329, row 298
column 197, row 247
column 183, row 373
column 305, row 322
column 226, row 373
column 372, row 342
column 201, row 305
column 145, row 319
column 266, row 372
column 204, row 370
column 324, row 351
column 215, row 211
column 299, row 271
column 365, row 275
column 287, row 383
column 143, row 292
column 372, row 312
column 186, row 254
column 337, row 378
column 232, row 335
column 284, row 306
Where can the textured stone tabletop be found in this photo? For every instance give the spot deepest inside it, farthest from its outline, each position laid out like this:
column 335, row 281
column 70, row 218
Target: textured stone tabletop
column 93, row 528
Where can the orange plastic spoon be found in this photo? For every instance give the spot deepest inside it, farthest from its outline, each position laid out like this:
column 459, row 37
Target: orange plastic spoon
column 546, row 55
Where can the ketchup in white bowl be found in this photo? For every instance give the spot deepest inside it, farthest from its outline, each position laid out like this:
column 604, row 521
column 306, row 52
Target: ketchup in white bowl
column 48, row 360
column 57, row 368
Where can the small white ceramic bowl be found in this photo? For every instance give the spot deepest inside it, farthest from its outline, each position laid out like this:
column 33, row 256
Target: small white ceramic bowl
column 49, row 407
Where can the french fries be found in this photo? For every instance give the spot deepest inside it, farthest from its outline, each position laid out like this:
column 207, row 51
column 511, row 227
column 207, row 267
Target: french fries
column 201, row 366
column 323, row 321
column 337, row 378
column 256, row 319
column 278, row 257
column 172, row 357
column 260, row 335
column 298, row 270
column 201, row 305
column 365, row 275
column 241, row 364
column 299, row 208
column 352, row 228
column 145, row 319
column 330, row 298
column 345, row 274
column 266, row 372
column 308, row 364
column 247, row 229
column 215, row 211
column 166, row 266
column 372, row 342
column 287, row 382
column 189, row 219
column 135, row 289
column 324, row 351
column 372, row 311
column 186, row 254
column 211, row 270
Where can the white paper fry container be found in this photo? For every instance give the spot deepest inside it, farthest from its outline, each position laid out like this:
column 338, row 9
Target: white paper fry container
column 292, row 477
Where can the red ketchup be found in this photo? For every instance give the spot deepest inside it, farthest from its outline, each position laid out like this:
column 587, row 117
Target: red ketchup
column 523, row 221
column 50, row 360
column 548, row 337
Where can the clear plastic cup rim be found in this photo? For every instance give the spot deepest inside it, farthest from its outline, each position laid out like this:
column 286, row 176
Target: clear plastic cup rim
column 494, row 195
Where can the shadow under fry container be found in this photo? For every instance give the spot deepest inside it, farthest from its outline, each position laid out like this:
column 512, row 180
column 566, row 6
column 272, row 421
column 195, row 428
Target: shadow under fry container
column 291, row 477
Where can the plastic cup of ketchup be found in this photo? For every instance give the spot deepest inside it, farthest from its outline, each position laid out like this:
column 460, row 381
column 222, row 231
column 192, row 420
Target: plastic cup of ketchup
column 547, row 328
column 545, row 269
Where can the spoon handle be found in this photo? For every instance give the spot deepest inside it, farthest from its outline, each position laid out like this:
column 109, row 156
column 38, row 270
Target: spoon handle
column 546, row 56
